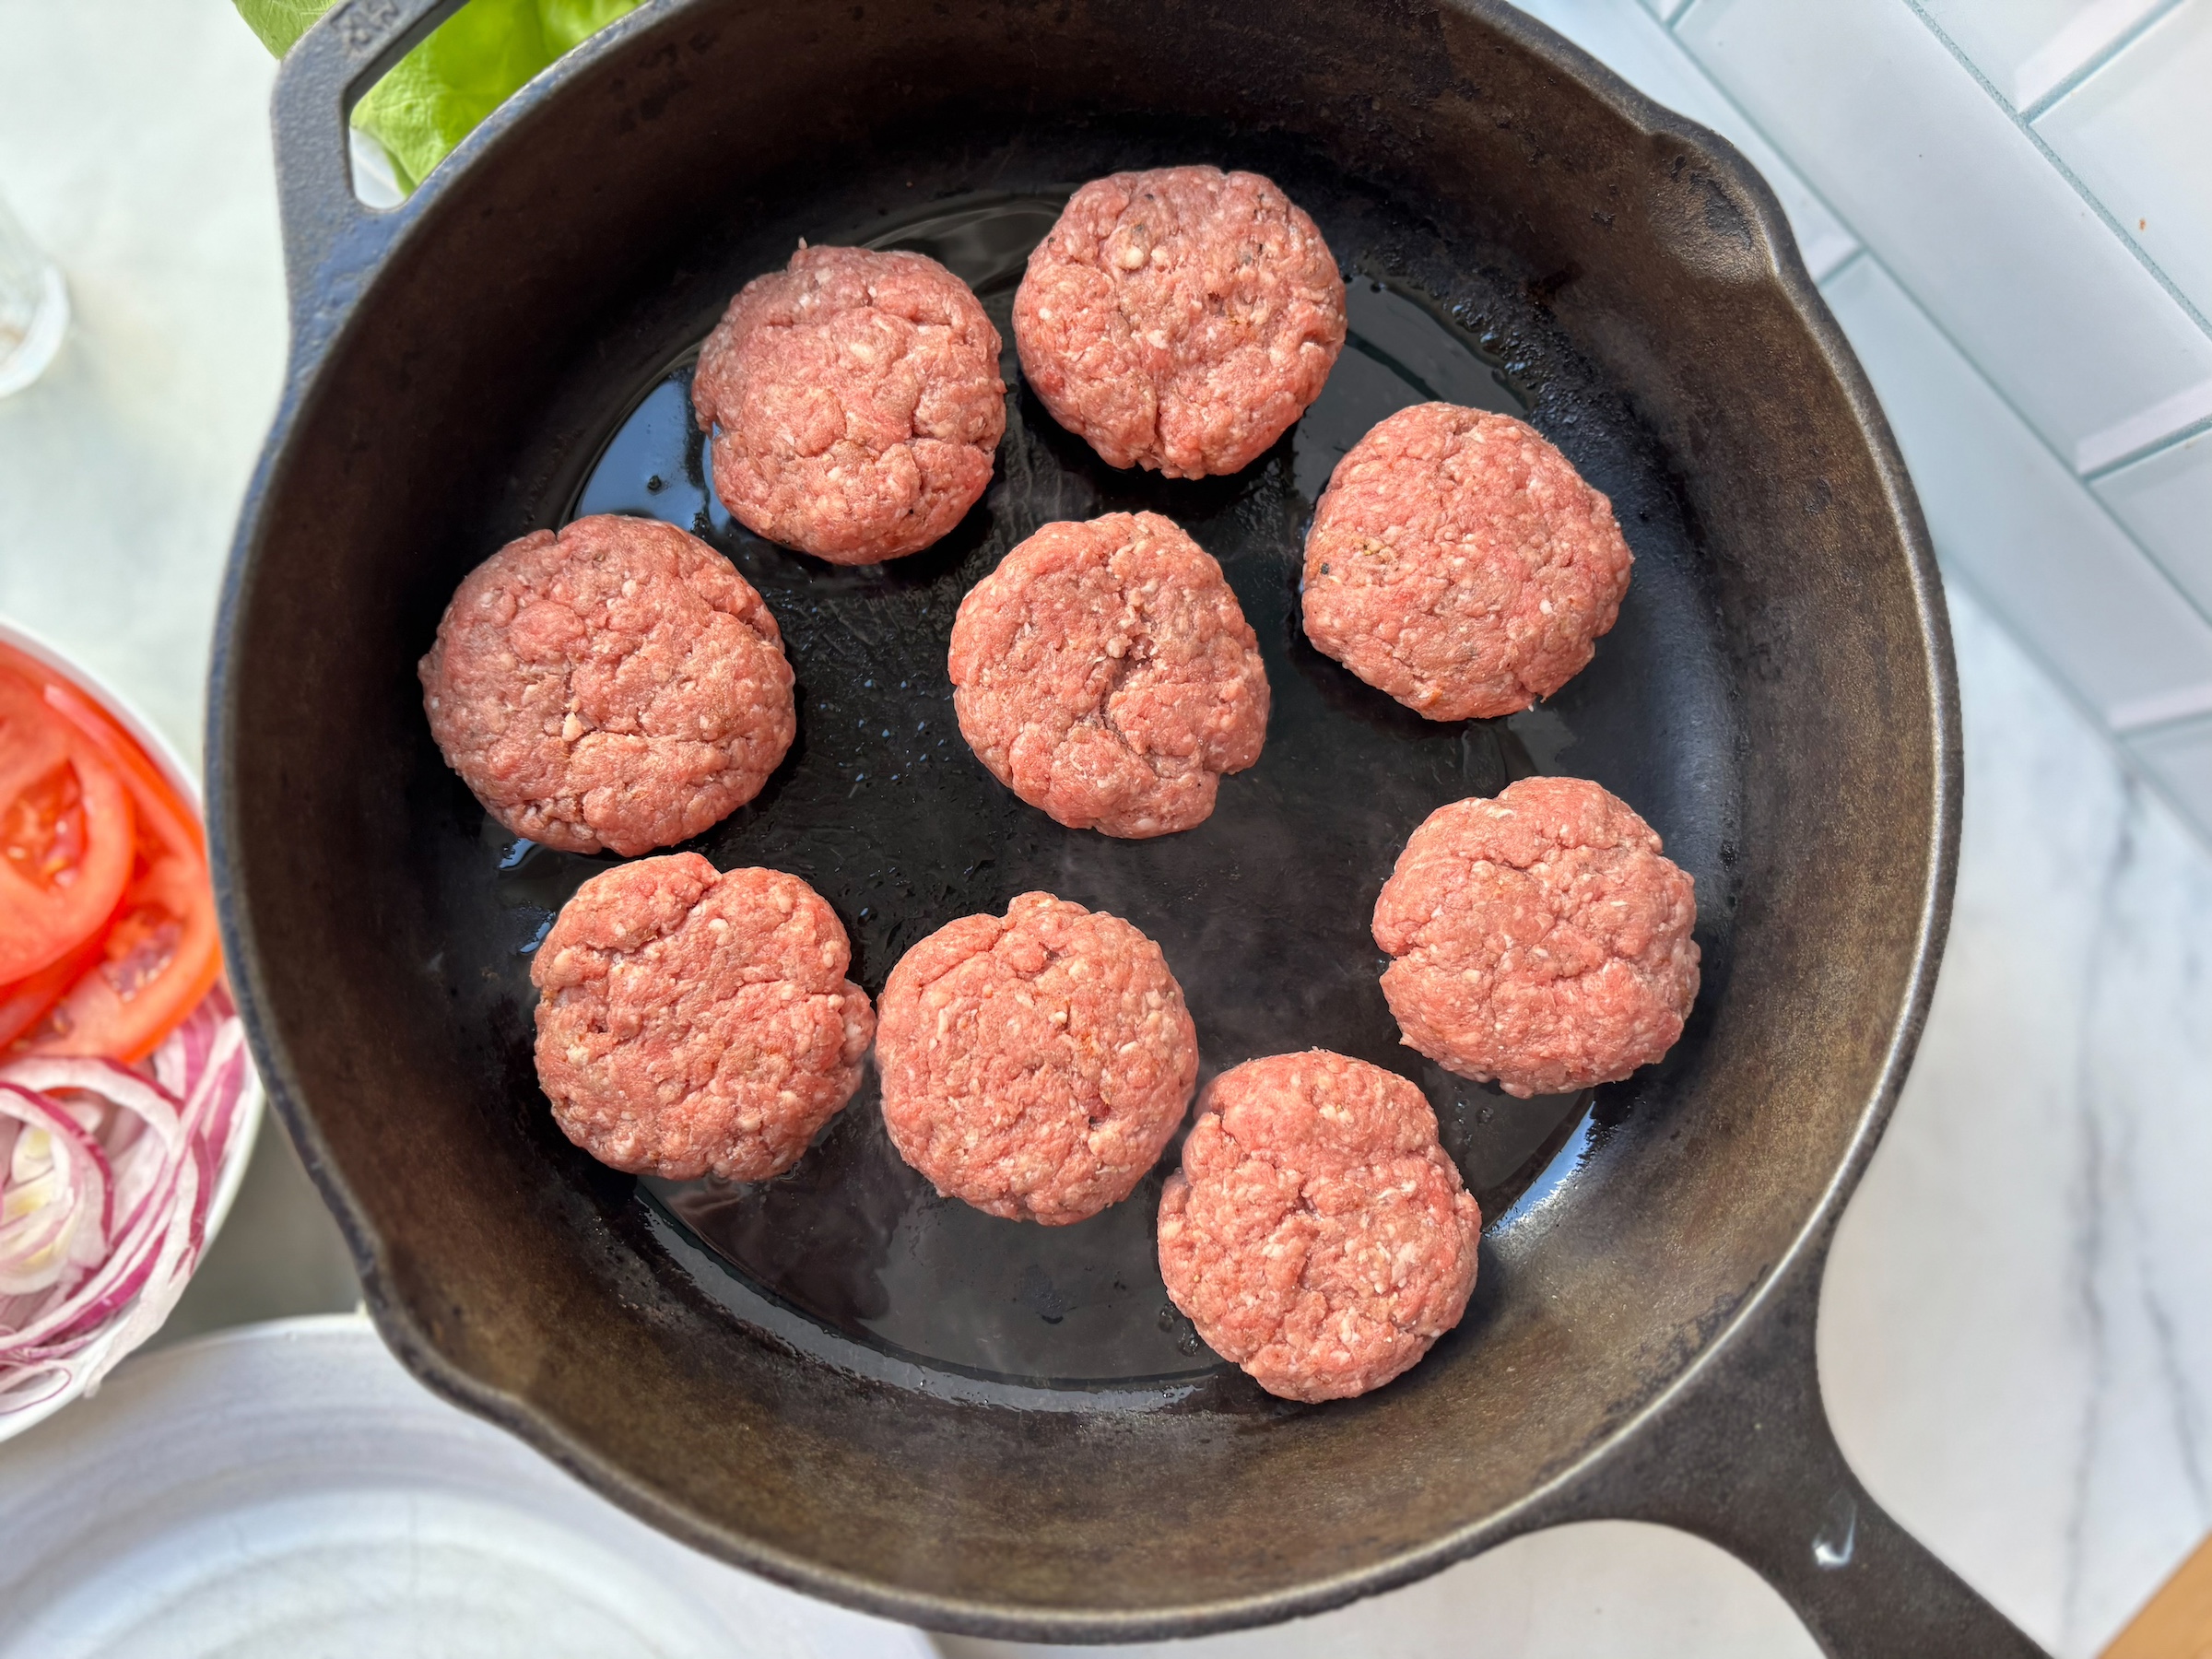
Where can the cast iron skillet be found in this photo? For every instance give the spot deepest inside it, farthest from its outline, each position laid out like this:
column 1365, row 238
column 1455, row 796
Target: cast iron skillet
column 837, row 1380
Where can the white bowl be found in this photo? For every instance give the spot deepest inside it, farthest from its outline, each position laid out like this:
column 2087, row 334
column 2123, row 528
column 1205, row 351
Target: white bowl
column 100, row 1354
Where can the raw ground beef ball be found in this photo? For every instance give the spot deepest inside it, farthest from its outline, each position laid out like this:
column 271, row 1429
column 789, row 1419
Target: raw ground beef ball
column 618, row 685
column 691, row 1022
column 855, row 403
column 1035, row 1066
column 1317, row 1235
column 1105, row 673
column 1459, row 563
column 1180, row 319
column 1541, row 938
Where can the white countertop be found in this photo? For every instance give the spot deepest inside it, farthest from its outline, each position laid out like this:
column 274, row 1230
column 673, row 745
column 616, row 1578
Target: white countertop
column 2015, row 1340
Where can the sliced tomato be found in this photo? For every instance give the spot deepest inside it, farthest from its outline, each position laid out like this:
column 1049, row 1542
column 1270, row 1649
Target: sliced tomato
column 155, row 965
column 67, row 699
column 66, row 833
column 25, row 1003
column 160, row 953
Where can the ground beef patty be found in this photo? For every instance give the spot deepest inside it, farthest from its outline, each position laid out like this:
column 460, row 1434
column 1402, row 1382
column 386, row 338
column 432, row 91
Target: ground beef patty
column 1459, row 563
column 1035, row 1066
column 1180, row 319
column 855, row 403
column 1317, row 1235
column 619, row 686
column 695, row 1022
column 1105, row 673
column 1541, row 939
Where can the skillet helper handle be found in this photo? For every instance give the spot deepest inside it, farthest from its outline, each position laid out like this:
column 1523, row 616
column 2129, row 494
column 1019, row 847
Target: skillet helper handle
column 331, row 240
column 1745, row 1458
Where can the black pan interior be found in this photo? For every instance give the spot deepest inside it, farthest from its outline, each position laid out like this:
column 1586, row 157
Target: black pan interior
column 1262, row 910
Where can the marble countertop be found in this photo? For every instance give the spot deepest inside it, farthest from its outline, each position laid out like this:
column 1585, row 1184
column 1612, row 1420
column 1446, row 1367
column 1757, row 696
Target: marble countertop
column 2015, row 1332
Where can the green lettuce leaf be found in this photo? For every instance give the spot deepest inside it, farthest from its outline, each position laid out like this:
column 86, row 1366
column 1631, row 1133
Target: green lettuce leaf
column 469, row 65
column 280, row 22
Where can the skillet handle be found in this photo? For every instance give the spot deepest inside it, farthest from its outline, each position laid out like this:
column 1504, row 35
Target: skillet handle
column 331, row 241
column 1744, row 1457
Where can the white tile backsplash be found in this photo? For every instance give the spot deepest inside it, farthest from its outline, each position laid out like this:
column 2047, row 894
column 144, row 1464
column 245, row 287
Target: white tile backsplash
column 2165, row 499
column 1958, row 200
column 2010, row 518
column 2180, row 757
column 2146, row 430
column 2028, row 49
column 2138, row 134
column 1637, row 47
column 2163, row 708
column 1963, row 170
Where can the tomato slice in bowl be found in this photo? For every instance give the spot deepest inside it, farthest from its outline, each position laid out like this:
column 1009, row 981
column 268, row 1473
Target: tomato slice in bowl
column 67, row 839
column 158, row 958
column 25, row 1003
column 158, row 953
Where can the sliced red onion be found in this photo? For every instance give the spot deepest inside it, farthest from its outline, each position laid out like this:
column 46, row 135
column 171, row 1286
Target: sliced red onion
column 30, row 1385
column 180, row 1062
column 73, row 1318
column 151, row 1198
column 67, row 1232
column 180, row 1249
column 134, row 1091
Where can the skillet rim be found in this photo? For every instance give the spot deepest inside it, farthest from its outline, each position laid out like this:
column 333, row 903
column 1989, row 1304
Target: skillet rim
column 315, row 338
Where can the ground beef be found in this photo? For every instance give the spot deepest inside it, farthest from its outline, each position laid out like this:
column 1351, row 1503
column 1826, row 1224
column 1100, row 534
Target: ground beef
column 1035, row 1066
column 691, row 1022
column 1104, row 673
column 1541, row 938
column 855, row 403
column 618, row 685
column 1459, row 563
column 1317, row 1235
column 1180, row 319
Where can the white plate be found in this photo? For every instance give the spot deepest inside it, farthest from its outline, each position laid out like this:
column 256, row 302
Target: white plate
column 287, row 1491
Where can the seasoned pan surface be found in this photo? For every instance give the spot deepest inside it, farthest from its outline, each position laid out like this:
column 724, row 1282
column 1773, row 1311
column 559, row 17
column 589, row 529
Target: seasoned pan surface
column 1262, row 910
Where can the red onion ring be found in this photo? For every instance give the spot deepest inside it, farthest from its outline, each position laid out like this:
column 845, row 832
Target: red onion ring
column 89, row 1181
column 154, row 1194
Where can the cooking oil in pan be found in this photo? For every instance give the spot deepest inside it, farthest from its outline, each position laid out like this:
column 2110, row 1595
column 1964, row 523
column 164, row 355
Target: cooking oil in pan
column 1263, row 911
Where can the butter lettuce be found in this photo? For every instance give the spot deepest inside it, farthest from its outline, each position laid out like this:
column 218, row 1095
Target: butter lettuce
column 468, row 66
